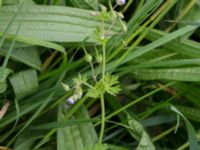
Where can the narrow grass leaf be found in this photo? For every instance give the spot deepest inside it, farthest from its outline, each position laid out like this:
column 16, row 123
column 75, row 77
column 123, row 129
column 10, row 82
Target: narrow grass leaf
column 163, row 40
column 190, row 112
column 180, row 74
column 191, row 132
column 189, row 91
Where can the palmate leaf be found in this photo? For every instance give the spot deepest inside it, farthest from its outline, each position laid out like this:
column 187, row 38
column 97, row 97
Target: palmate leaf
column 109, row 84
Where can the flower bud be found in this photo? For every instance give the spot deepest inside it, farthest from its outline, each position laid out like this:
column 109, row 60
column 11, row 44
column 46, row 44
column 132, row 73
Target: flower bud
column 123, row 24
column 65, row 86
column 120, row 15
column 103, row 8
column 88, row 58
column 70, row 101
column 121, row 2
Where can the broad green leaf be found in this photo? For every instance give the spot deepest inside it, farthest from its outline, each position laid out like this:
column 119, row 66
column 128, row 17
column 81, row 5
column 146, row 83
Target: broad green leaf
column 52, row 23
column 179, row 74
column 87, row 4
column 98, row 147
column 26, row 55
column 3, row 76
column 139, row 133
column 76, row 136
column 61, row 124
column 12, row 2
column 24, row 83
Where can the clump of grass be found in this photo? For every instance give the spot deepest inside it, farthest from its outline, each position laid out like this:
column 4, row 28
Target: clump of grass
column 99, row 75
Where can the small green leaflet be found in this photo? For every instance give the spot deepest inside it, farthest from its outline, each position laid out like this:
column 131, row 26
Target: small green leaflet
column 109, row 84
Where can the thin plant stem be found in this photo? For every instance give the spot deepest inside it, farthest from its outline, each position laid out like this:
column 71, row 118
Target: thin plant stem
column 87, row 84
column 102, row 119
column 104, row 60
column 158, row 137
column 93, row 73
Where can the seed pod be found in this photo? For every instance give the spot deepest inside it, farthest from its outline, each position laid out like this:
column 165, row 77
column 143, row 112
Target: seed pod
column 88, row 58
column 99, row 58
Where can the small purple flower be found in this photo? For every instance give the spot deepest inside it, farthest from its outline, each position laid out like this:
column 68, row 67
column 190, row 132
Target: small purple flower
column 70, row 101
column 121, row 2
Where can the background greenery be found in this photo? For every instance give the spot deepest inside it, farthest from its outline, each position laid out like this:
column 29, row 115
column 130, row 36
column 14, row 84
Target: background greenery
column 157, row 61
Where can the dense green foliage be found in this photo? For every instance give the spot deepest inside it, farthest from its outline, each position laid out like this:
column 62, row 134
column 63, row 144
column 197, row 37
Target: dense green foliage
column 99, row 75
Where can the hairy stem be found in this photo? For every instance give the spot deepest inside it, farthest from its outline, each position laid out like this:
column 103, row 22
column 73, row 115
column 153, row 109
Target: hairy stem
column 102, row 119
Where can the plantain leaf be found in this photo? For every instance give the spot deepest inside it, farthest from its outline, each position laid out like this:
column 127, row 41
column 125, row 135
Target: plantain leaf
column 87, row 4
column 26, row 55
column 52, row 23
column 139, row 133
column 179, row 74
column 24, row 83
column 76, row 136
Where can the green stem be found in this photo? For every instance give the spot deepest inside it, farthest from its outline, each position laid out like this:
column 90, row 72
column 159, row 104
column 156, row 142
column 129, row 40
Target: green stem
column 93, row 73
column 158, row 137
column 87, row 84
column 102, row 119
column 104, row 60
